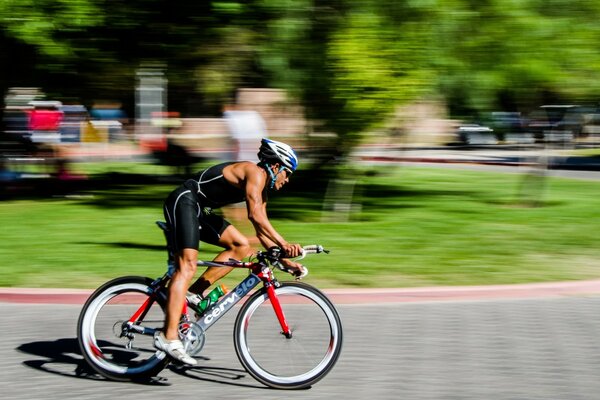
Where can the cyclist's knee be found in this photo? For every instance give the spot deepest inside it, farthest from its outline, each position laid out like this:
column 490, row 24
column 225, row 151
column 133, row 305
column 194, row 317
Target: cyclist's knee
column 187, row 270
column 241, row 248
column 188, row 264
column 235, row 243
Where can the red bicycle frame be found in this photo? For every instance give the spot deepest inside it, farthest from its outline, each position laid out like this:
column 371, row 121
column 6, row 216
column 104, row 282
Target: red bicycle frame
column 259, row 272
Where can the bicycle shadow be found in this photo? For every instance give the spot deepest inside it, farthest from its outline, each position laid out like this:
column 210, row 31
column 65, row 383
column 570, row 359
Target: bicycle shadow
column 63, row 357
column 225, row 376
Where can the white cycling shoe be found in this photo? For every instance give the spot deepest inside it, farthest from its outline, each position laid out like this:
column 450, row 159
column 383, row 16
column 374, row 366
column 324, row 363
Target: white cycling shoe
column 174, row 348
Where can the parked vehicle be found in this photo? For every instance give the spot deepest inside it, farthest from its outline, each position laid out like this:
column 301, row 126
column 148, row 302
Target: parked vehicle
column 509, row 127
column 557, row 123
column 475, row 134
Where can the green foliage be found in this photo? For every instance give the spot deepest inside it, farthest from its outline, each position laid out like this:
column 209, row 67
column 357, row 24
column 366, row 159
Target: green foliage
column 349, row 62
column 374, row 70
column 527, row 51
column 42, row 22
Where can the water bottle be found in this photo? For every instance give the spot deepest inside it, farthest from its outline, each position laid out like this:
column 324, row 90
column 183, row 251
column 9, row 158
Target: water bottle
column 211, row 298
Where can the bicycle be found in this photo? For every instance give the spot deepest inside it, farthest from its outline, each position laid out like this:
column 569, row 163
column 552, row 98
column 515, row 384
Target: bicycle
column 287, row 335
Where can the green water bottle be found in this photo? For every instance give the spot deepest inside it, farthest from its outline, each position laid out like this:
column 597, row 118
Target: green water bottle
column 212, row 298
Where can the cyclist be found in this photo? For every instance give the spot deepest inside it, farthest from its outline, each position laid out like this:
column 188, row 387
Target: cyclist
column 188, row 212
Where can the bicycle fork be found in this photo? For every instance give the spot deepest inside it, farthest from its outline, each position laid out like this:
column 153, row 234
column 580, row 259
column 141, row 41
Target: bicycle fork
column 285, row 329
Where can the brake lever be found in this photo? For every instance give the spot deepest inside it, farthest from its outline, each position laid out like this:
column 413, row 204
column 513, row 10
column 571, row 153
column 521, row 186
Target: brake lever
column 303, row 270
column 301, row 256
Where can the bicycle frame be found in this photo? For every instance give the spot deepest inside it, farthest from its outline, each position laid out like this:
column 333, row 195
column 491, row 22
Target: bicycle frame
column 259, row 272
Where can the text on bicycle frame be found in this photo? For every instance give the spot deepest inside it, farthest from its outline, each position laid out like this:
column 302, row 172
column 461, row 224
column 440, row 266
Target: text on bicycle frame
column 228, row 301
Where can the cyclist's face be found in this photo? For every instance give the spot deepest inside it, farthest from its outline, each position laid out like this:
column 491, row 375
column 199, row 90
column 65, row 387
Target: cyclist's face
column 283, row 177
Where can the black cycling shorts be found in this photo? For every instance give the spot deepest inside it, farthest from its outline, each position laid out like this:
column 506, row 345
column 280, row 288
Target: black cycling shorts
column 189, row 223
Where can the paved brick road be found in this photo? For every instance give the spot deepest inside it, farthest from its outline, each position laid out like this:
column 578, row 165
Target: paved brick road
column 536, row 348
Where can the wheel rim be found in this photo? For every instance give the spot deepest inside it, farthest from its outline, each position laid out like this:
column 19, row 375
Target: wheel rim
column 306, row 354
column 106, row 354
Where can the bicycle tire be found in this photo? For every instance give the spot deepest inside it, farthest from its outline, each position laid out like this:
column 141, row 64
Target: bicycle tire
column 307, row 310
column 114, row 303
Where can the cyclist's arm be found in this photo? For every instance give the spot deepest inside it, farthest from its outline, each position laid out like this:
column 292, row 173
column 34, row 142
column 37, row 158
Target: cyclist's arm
column 257, row 214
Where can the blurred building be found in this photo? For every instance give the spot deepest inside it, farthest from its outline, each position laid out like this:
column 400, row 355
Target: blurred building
column 75, row 118
column 257, row 113
column 422, row 123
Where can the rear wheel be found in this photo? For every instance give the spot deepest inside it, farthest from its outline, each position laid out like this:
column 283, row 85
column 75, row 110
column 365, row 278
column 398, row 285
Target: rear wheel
column 116, row 326
column 288, row 362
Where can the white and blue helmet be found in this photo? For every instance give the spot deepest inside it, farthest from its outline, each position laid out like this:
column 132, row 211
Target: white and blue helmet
column 273, row 151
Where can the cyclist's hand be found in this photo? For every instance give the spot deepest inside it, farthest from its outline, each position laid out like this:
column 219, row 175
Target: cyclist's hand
column 292, row 250
column 294, row 268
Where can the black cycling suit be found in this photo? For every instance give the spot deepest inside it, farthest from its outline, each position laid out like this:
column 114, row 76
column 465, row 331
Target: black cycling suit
column 188, row 209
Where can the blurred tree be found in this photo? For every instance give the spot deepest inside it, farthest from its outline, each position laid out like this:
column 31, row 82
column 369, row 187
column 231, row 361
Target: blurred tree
column 33, row 37
column 350, row 62
column 90, row 49
column 44, row 23
column 499, row 54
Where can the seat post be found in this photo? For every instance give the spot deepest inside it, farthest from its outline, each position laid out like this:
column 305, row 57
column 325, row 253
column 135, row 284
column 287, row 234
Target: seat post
column 169, row 240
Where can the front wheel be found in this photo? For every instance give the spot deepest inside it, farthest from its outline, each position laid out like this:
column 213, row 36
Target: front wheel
column 116, row 326
column 293, row 362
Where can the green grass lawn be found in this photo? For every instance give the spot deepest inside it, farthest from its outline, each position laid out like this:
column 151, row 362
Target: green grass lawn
column 415, row 227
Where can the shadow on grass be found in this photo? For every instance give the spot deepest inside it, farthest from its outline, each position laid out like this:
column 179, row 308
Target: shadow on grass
column 126, row 197
column 374, row 196
column 303, row 197
column 104, row 190
column 128, row 245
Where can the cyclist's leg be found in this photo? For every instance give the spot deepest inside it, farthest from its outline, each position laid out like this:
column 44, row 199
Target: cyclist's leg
column 219, row 232
column 235, row 245
column 181, row 212
column 187, row 260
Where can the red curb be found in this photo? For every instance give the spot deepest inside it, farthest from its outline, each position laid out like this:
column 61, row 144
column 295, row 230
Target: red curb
column 44, row 296
column 466, row 293
column 358, row 296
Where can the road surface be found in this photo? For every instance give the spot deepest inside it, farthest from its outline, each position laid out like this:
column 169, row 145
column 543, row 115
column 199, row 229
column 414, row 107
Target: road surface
column 488, row 348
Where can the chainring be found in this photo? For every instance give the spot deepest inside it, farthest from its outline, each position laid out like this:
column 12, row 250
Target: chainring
column 193, row 339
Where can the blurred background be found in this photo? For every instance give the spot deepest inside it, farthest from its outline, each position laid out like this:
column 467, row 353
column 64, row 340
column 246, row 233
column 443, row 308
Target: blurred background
column 207, row 76
column 355, row 85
